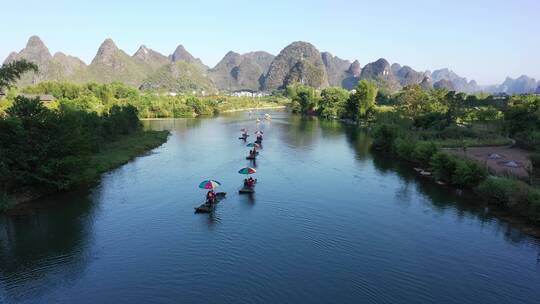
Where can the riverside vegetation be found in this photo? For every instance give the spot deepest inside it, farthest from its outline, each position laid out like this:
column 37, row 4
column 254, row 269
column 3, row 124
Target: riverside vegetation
column 417, row 124
column 44, row 150
column 100, row 98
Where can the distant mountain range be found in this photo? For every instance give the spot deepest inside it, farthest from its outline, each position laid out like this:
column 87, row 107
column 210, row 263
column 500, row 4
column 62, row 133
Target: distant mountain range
column 299, row 62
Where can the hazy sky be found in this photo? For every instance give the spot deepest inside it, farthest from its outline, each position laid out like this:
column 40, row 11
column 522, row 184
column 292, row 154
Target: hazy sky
column 482, row 40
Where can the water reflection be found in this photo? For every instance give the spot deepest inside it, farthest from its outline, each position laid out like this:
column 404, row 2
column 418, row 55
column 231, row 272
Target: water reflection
column 301, row 132
column 442, row 199
column 331, row 128
column 359, row 141
column 253, row 163
column 47, row 244
column 210, row 219
column 248, row 200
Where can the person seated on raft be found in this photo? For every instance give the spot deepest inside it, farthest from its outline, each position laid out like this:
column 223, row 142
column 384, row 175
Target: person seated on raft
column 210, row 197
column 250, row 182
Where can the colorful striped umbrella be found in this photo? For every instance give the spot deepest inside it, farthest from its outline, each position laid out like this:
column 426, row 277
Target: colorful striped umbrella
column 247, row 170
column 209, row 184
column 251, row 145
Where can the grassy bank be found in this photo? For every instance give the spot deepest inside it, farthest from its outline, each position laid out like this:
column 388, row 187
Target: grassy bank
column 117, row 153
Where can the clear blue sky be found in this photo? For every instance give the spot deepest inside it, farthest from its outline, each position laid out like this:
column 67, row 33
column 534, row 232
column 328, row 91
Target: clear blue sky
column 478, row 39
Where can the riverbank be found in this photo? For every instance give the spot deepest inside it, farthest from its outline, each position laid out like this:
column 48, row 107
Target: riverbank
column 255, row 108
column 120, row 152
column 111, row 156
column 229, row 111
column 509, row 194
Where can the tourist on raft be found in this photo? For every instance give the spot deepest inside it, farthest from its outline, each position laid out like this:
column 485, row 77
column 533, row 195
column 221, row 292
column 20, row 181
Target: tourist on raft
column 249, row 182
column 211, row 197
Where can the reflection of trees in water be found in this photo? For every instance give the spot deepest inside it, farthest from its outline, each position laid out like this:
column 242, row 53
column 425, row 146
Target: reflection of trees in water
column 179, row 125
column 331, row 128
column 47, row 246
column 443, row 198
column 359, row 140
column 301, row 131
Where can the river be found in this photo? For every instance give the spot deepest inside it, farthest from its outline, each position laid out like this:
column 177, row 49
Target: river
column 330, row 222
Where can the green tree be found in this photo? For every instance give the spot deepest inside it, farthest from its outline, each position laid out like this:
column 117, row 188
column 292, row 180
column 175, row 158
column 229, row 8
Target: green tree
column 303, row 98
column 362, row 102
column 455, row 106
column 11, row 72
column 468, row 174
column 333, row 102
column 27, row 109
column 413, row 101
column 49, row 149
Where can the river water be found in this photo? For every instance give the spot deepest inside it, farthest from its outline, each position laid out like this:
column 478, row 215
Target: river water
column 329, row 223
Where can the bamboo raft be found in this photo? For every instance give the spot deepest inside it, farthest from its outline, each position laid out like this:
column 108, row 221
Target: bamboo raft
column 246, row 190
column 206, row 208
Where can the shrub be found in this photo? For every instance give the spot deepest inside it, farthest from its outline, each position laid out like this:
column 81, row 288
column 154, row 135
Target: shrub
column 198, row 106
column 183, row 110
column 405, row 148
column 499, row 190
column 434, row 120
column 384, row 136
column 423, row 151
column 513, row 194
column 443, row 166
column 528, row 140
column 468, row 174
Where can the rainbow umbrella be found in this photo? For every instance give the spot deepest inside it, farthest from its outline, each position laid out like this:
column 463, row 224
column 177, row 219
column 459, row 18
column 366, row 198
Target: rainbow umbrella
column 247, row 170
column 251, row 145
column 209, row 184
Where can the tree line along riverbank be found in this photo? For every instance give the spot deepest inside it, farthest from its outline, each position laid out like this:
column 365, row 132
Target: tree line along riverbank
column 99, row 98
column 419, row 125
column 46, row 149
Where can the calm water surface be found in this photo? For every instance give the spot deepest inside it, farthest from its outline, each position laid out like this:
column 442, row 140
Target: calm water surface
column 330, row 223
